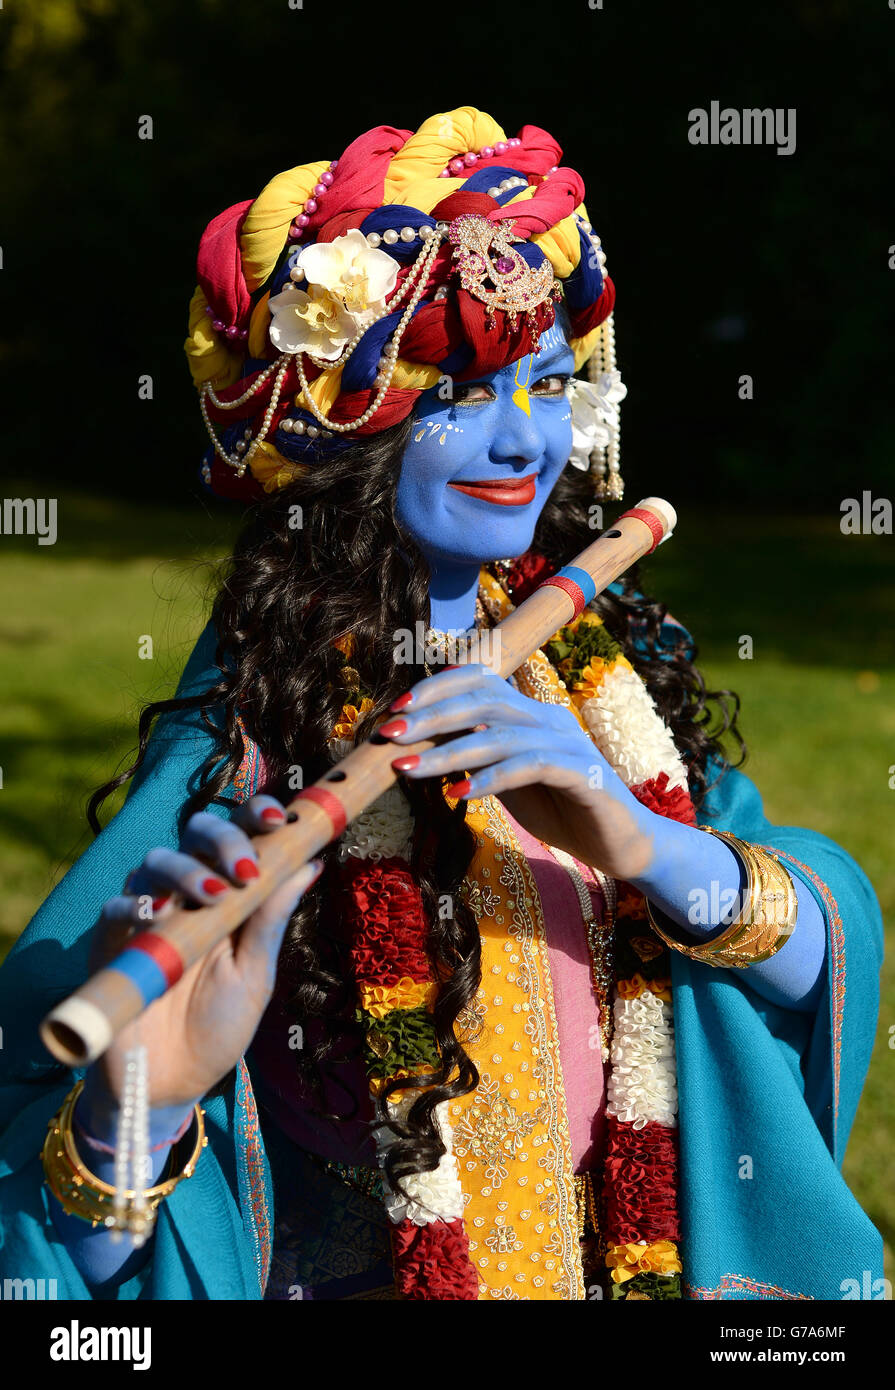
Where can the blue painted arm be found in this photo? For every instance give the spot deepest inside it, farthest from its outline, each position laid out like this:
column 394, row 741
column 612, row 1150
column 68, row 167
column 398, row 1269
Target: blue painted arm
column 693, row 878
column 518, row 748
column 689, row 863
column 103, row 1262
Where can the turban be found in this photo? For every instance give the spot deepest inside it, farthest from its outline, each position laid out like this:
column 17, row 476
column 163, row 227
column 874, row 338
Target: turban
column 329, row 303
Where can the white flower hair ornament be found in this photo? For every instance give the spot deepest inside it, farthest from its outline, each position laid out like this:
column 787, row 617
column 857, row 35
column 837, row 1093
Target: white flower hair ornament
column 595, row 415
column 348, row 283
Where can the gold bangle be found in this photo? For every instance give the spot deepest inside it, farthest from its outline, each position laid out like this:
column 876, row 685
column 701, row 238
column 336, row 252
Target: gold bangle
column 764, row 924
column 81, row 1193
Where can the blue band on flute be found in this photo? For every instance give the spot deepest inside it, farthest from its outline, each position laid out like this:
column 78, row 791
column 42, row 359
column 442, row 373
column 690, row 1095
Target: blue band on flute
column 581, row 578
column 143, row 972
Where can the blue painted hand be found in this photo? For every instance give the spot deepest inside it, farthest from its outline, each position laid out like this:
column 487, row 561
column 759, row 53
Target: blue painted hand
column 197, row 1031
column 536, row 757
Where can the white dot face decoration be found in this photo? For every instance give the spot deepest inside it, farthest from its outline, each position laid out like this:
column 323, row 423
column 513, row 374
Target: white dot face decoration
column 552, row 339
column 436, row 427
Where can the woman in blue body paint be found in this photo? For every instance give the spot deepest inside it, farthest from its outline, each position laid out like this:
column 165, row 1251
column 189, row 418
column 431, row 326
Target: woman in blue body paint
column 401, row 536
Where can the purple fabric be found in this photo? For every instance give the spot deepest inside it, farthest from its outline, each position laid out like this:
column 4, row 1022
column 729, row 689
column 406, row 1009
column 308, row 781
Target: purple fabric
column 275, row 1076
column 577, row 1014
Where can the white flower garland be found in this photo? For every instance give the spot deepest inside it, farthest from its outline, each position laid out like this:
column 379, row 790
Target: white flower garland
column 643, row 1081
column 433, row 1196
column 628, row 730
column 383, row 831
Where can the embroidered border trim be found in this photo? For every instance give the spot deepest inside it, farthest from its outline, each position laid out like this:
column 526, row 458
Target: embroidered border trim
column 532, row 940
column 246, row 780
column 742, row 1283
column 250, row 1160
column 254, row 1172
column 837, row 945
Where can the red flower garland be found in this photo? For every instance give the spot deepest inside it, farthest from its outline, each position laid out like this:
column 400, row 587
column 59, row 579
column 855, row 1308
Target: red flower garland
column 674, row 803
column 526, row 574
column 386, row 922
column 432, row 1262
column 641, row 1183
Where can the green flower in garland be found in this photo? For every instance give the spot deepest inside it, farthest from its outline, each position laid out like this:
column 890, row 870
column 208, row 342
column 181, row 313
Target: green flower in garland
column 654, row 1287
column 574, row 648
column 348, row 679
column 402, row 1040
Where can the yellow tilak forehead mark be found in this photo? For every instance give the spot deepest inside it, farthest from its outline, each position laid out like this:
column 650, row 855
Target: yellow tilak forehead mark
column 520, row 395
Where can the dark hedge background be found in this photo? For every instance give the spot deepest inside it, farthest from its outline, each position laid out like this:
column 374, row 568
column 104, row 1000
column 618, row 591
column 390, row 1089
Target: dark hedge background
column 728, row 260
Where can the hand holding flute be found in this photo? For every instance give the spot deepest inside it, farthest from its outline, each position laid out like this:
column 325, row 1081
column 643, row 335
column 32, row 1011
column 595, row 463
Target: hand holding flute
column 82, row 1027
column 534, row 756
column 197, row 1030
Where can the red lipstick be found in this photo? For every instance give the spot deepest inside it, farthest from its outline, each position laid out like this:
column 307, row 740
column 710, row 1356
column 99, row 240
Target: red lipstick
column 504, row 492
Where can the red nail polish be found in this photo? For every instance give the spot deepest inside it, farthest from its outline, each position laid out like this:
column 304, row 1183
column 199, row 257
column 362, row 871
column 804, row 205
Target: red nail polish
column 273, row 813
column 405, row 764
column 160, row 902
column 245, row 869
column 213, row 885
column 459, row 790
column 402, row 701
column 393, row 728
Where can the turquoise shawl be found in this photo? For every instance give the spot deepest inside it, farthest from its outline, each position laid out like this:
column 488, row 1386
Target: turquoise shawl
column 757, row 1082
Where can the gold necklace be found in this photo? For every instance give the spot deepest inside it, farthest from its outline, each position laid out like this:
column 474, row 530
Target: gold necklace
column 448, row 645
column 599, row 939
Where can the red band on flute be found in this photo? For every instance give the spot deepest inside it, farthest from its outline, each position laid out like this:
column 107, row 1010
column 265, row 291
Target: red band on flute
column 568, row 586
column 328, row 803
column 652, row 522
column 166, row 956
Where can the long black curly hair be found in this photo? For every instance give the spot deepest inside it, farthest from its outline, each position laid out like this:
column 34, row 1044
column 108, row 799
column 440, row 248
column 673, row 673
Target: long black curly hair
column 286, row 596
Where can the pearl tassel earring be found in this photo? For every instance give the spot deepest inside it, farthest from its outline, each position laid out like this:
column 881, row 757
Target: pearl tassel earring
column 601, row 360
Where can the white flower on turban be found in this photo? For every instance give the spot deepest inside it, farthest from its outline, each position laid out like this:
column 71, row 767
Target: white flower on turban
column 348, row 283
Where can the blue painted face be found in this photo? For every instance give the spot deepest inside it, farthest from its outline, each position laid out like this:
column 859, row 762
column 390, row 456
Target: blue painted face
column 479, row 468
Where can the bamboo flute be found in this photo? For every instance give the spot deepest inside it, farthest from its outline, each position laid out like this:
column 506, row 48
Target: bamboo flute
column 81, row 1027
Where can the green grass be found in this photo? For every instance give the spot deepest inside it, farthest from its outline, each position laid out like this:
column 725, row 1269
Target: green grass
column 818, row 694
column 72, row 617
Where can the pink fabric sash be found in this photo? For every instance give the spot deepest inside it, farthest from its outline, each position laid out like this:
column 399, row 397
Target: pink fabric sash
column 577, row 1015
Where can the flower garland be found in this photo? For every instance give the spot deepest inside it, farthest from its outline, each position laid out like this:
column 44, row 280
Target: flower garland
column 584, row 666
column 641, row 1224
column 388, row 931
